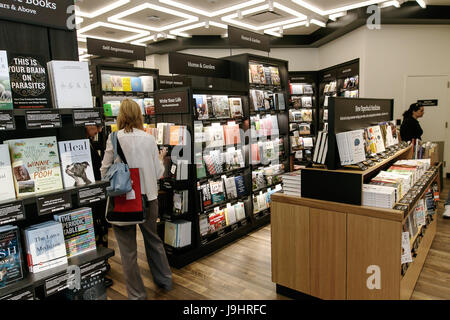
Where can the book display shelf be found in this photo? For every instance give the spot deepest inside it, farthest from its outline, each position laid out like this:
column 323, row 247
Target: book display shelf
column 35, row 168
column 365, row 242
column 266, row 80
column 302, row 117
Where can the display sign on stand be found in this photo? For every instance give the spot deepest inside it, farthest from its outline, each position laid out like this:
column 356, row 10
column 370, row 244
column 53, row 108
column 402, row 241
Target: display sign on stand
column 43, row 118
column 7, row 120
column 11, row 212
column 54, row 202
column 87, row 117
column 91, row 194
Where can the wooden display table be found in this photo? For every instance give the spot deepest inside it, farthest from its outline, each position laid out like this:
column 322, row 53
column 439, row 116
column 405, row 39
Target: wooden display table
column 330, row 250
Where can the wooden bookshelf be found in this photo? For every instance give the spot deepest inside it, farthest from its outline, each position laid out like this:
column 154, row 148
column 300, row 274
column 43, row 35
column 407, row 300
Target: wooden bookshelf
column 325, row 249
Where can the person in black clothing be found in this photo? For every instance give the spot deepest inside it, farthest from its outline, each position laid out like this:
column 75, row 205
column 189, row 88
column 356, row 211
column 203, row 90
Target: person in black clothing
column 410, row 128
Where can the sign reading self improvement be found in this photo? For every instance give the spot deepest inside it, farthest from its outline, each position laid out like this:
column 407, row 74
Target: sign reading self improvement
column 105, row 48
column 188, row 64
column 51, row 13
column 29, row 81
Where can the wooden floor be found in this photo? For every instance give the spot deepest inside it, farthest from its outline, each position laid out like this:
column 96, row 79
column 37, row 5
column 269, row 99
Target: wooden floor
column 242, row 270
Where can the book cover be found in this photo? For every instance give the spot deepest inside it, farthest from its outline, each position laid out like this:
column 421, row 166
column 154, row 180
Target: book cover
column 126, row 84
column 240, row 186
column 36, row 165
column 376, row 136
column 296, row 88
column 10, row 256
column 175, row 135
column 230, row 187
column 257, row 99
column 221, row 107
column 261, row 75
column 217, row 192
column 46, row 246
column 204, row 225
column 296, row 102
column 239, row 210
column 136, row 84
column 149, row 106
column 206, row 195
column 29, row 81
column 236, row 107
column 306, row 114
column 308, row 89
column 307, row 102
column 147, row 83
column 6, row 102
column 254, row 76
column 106, row 82
column 267, row 75
column 200, row 166
column 76, row 162
column 230, row 215
column 232, row 134
column 71, row 85
column 117, row 84
column 201, row 106
column 275, row 76
column 281, row 104
column 78, row 229
column 7, row 191
column 304, row 128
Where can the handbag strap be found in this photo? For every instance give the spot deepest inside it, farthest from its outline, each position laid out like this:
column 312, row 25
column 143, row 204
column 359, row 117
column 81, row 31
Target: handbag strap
column 117, row 148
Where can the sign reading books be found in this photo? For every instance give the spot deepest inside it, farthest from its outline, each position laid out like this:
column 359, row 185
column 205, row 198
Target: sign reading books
column 84, row 117
column 247, row 39
column 52, row 13
column 43, row 118
column 54, row 202
column 7, row 120
column 29, row 81
column 172, row 102
column 180, row 63
column 428, row 103
column 353, row 113
column 11, row 212
column 105, row 48
column 91, row 194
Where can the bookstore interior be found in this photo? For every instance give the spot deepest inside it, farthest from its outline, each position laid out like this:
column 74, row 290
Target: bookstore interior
column 280, row 128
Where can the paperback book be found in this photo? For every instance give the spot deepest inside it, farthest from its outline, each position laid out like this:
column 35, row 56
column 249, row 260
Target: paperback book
column 76, row 162
column 10, row 255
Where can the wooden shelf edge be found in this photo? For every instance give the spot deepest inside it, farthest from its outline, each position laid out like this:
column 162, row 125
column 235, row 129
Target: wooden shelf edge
column 388, row 214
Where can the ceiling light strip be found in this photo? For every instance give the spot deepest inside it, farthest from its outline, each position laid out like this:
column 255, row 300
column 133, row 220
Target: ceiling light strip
column 103, row 10
column 310, row 7
column 211, row 13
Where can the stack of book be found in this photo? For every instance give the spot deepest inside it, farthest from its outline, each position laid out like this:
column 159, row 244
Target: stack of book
column 78, row 228
column 321, row 149
column 292, row 184
column 351, row 147
column 262, row 200
column 170, row 134
column 45, row 245
column 378, row 196
column 177, row 233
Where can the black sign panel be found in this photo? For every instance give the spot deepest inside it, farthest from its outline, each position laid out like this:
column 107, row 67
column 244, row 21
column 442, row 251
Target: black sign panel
column 167, row 82
column 248, row 39
column 352, row 114
column 428, row 103
column 51, row 13
column 43, row 118
column 7, row 120
column 87, row 117
column 172, row 102
column 54, row 202
column 348, row 71
column 188, row 64
column 11, row 212
column 105, row 48
column 91, row 194
column 24, row 294
column 29, row 81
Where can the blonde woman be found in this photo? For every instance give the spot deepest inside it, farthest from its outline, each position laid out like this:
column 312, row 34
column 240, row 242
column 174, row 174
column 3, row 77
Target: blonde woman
column 140, row 151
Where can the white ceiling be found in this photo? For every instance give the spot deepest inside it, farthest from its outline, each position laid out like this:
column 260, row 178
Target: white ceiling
column 145, row 21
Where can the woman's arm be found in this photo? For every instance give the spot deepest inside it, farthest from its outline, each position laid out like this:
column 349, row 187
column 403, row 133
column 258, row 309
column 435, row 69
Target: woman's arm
column 108, row 158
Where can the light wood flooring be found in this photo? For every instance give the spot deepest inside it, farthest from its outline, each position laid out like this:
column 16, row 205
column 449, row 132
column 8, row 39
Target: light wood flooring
column 242, row 270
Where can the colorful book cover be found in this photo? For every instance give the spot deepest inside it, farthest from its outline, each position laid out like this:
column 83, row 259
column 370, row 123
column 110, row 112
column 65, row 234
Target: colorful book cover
column 76, row 162
column 126, row 83
column 261, row 75
column 149, row 106
column 221, row 107
column 217, row 192
column 29, row 81
column 174, row 135
column 136, row 84
column 275, row 76
column 254, row 76
column 78, row 229
column 240, row 186
column 36, row 165
column 106, row 82
column 236, row 107
column 267, row 75
column 6, row 102
column 117, row 84
column 7, row 191
column 201, row 106
column 10, row 256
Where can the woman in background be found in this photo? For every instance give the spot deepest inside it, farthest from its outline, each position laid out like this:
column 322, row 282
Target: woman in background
column 410, row 128
column 140, row 151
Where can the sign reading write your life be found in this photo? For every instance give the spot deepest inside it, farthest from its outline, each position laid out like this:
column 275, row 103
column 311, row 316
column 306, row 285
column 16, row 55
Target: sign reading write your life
column 50, row 13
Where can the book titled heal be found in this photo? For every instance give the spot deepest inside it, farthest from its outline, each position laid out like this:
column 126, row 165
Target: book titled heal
column 36, row 165
column 76, row 163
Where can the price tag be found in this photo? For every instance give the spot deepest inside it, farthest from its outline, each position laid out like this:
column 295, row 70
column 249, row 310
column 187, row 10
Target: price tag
column 7, row 121
column 11, row 212
column 43, row 119
column 87, row 117
column 56, row 284
column 54, row 202
column 91, row 194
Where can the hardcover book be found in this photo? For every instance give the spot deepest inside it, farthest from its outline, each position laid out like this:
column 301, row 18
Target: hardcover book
column 149, row 106
column 136, row 84
column 275, row 76
column 307, row 102
column 221, row 107
column 280, row 101
column 6, row 102
column 230, row 188
column 126, row 84
column 7, row 191
column 240, row 186
column 78, row 229
column 106, row 82
column 205, row 192
column 36, row 165
column 117, row 84
column 254, row 76
column 230, row 214
column 76, row 162
column 257, row 99
column 45, row 246
column 201, row 106
column 10, row 256
column 217, row 192
column 261, row 75
column 71, row 86
column 29, row 81
column 147, row 83
column 236, row 107
column 267, row 75
column 239, row 210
